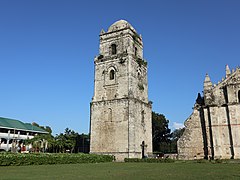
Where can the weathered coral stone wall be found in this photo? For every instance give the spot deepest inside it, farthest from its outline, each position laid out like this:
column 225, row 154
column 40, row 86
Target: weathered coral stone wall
column 213, row 130
column 225, row 135
column 120, row 110
column 190, row 145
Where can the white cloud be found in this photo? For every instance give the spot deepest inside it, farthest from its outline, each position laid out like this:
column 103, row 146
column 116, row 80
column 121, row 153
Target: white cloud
column 177, row 125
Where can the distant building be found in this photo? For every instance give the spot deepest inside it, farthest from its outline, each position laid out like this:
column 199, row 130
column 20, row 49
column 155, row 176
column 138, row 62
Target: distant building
column 13, row 132
column 213, row 129
column 121, row 114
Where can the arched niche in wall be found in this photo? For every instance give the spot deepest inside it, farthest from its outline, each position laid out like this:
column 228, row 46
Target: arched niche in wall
column 109, row 114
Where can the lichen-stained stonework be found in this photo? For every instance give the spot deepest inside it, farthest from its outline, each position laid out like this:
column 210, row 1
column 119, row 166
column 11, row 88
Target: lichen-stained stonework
column 213, row 129
column 120, row 110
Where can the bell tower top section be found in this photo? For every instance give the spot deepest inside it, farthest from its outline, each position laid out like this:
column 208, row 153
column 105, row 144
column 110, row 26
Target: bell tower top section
column 121, row 24
column 120, row 70
column 121, row 38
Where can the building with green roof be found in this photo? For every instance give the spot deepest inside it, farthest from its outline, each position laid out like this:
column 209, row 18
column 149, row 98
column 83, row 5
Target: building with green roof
column 14, row 132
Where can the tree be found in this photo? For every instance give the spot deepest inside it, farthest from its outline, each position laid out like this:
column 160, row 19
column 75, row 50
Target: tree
column 66, row 141
column 176, row 134
column 69, row 141
column 46, row 128
column 161, row 134
column 83, row 143
column 41, row 142
column 59, row 143
column 35, row 124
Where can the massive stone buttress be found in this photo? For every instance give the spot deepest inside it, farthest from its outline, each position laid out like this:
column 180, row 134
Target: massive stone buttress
column 212, row 131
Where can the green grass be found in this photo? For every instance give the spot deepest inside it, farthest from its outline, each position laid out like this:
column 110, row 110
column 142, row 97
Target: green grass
column 131, row 171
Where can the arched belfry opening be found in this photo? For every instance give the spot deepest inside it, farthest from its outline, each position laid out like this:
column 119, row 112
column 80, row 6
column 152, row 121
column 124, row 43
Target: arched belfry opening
column 135, row 51
column 112, row 75
column 114, row 49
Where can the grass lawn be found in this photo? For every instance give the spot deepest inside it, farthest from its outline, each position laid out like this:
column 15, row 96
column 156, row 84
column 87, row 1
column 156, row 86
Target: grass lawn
column 131, row 171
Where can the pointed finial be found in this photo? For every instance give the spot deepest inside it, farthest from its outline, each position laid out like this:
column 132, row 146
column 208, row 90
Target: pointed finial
column 228, row 72
column 102, row 31
column 207, row 78
column 207, row 82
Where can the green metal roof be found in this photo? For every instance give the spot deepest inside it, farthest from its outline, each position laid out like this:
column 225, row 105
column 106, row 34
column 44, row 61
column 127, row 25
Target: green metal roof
column 16, row 124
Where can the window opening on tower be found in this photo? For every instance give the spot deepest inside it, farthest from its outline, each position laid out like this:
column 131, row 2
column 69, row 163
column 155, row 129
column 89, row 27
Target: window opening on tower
column 114, row 49
column 112, row 74
column 135, row 51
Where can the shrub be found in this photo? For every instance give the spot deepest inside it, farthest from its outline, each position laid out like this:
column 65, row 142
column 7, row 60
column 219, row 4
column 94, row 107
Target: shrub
column 149, row 160
column 202, row 161
column 8, row 159
column 219, row 161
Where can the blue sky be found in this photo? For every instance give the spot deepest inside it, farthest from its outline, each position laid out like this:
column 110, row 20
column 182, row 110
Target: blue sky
column 47, row 49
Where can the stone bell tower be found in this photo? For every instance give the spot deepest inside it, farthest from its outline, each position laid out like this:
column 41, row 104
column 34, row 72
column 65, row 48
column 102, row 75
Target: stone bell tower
column 121, row 115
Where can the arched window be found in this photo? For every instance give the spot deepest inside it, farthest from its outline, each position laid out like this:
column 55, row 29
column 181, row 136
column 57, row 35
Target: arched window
column 114, row 49
column 135, row 51
column 112, row 74
column 239, row 96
